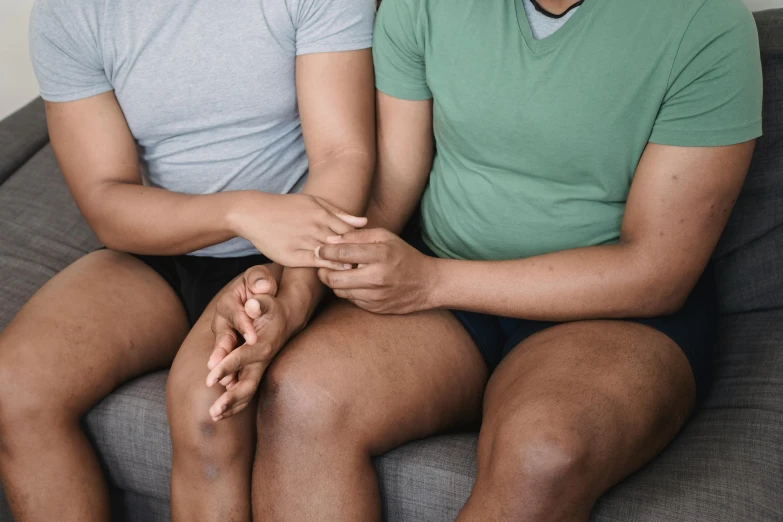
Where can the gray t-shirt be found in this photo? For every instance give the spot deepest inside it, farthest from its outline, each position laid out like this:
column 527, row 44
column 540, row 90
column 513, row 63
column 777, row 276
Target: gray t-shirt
column 542, row 25
column 207, row 86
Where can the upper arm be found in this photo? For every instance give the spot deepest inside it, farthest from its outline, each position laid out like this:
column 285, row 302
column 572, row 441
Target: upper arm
column 678, row 206
column 405, row 152
column 334, row 85
column 336, row 106
column 692, row 171
column 404, row 103
column 94, row 147
column 87, row 128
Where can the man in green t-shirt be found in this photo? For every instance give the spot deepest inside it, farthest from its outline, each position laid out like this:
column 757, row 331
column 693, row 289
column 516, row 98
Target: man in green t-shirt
column 558, row 287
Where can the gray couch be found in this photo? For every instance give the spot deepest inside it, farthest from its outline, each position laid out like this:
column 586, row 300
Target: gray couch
column 726, row 465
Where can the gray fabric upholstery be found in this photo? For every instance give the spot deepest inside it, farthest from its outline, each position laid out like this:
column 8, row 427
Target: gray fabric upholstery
column 42, row 231
column 748, row 275
column 130, row 431
column 21, row 135
column 726, row 465
column 5, row 512
column 128, row 506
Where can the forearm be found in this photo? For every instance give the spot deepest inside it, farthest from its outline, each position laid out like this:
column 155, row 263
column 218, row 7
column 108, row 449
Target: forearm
column 612, row 281
column 343, row 181
column 147, row 220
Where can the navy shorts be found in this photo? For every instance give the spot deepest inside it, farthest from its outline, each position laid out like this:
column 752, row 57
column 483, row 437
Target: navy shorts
column 196, row 280
column 693, row 327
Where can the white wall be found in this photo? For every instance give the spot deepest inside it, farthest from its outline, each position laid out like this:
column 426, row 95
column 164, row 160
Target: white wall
column 758, row 5
column 17, row 81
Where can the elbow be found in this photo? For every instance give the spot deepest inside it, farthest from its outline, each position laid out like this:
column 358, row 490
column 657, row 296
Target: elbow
column 106, row 234
column 665, row 306
column 661, row 296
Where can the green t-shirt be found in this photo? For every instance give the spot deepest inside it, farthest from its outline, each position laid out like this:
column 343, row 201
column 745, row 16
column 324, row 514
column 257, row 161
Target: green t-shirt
column 538, row 140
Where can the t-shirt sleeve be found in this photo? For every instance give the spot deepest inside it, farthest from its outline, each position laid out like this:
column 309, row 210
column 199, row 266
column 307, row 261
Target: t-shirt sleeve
column 715, row 88
column 65, row 53
column 324, row 26
column 398, row 51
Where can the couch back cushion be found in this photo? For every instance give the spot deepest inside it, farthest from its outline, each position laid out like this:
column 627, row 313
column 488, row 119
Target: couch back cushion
column 749, row 257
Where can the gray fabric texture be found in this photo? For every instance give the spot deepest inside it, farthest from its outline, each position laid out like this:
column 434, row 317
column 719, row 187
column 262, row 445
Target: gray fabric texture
column 5, row 511
column 749, row 271
column 726, row 465
column 22, row 134
column 208, row 92
column 42, row 231
column 541, row 25
column 128, row 506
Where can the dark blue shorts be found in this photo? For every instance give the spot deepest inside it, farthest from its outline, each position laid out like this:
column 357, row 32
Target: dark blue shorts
column 693, row 327
column 196, row 280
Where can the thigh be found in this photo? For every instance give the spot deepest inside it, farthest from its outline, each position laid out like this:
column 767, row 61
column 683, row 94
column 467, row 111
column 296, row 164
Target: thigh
column 616, row 392
column 104, row 319
column 395, row 377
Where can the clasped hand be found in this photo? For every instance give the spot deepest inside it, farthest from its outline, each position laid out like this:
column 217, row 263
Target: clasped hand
column 248, row 306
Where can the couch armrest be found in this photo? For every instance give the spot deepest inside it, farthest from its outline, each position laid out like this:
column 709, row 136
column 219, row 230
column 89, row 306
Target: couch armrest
column 22, row 134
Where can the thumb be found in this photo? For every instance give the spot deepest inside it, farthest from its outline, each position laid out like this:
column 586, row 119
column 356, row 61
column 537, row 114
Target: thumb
column 260, row 305
column 259, row 280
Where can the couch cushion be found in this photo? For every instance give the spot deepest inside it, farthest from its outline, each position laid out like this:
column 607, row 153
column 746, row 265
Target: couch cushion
column 22, row 134
column 746, row 246
column 43, row 231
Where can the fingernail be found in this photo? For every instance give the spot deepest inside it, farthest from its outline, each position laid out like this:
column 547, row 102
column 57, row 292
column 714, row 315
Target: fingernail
column 261, row 285
column 333, row 239
column 347, row 266
column 318, row 251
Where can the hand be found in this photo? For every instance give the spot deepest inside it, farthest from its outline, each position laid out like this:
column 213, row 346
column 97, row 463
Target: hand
column 249, row 361
column 231, row 318
column 287, row 228
column 392, row 277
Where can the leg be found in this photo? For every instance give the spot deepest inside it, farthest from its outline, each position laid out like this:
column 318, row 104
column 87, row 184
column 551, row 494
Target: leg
column 210, row 476
column 351, row 386
column 103, row 320
column 572, row 411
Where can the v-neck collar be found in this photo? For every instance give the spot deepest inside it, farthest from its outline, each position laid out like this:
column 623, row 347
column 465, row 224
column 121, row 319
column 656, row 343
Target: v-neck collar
column 538, row 46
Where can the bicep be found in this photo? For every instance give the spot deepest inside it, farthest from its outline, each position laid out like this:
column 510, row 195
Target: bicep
column 93, row 145
column 335, row 96
column 405, row 146
column 679, row 203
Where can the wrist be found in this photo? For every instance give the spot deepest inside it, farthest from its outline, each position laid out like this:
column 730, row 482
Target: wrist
column 297, row 302
column 245, row 202
column 435, row 277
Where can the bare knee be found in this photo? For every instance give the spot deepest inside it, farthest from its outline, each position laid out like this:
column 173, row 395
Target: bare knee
column 28, row 406
column 197, row 440
column 538, row 462
column 301, row 402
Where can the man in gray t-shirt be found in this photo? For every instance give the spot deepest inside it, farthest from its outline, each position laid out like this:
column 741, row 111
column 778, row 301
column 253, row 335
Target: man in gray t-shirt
column 207, row 88
column 198, row 138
